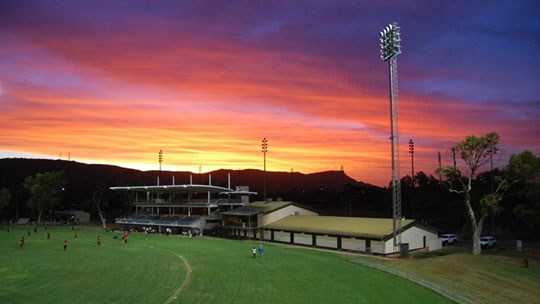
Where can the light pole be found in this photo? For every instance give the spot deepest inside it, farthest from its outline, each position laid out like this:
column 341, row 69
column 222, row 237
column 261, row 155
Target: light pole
column 439, row 159
column 390, row 48
column 411, row 151
column 160, row 159
column 264, row 150
column 454, row 156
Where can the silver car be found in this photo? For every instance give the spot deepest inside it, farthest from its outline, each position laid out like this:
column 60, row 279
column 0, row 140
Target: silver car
column 448, row 239
column 488, row 242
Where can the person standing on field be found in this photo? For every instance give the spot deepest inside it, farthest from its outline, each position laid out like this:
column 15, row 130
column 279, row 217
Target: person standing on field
column 99, row 240
column 21, row 242
column 261, row 250
column 65, row 245
column 254, row 251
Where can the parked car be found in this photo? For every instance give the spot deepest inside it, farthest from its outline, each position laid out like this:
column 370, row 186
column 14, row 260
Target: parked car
column 488, row 242
column 448, row 239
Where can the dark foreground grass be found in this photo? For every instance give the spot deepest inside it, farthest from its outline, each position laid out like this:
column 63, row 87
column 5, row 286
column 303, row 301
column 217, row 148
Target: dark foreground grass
column 174, row 269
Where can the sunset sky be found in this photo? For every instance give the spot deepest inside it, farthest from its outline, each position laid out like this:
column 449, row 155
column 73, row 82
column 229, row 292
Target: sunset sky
column 114, row 82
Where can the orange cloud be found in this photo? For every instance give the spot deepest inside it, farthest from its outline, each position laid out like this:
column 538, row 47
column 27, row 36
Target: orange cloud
column 118, row 95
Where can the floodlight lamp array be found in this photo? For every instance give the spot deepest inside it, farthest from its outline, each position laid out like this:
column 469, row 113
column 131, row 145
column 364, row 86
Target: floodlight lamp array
column 264, row 145
column 390, row 41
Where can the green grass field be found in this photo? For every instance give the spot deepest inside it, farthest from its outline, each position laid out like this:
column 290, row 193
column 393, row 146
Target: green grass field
column 496, row 276
column 174, row 269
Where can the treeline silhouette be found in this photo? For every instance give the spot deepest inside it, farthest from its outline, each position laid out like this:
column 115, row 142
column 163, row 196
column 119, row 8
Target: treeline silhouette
column 331, row 193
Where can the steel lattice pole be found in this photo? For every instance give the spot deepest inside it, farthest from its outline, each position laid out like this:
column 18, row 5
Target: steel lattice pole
column 396, row 183
column 390, row 48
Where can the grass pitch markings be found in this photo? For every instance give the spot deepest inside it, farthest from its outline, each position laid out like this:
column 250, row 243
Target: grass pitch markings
column 186, row 280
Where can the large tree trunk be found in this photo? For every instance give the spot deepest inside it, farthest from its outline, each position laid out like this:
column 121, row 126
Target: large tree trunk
column 103, row 220
column 476, row 248
column 101, row 217
column 477, row 229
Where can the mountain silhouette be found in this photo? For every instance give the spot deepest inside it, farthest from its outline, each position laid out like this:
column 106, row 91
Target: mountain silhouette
column 323, row 190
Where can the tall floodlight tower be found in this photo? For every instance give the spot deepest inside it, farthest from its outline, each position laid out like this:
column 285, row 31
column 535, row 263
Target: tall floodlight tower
column 160, row 159
column 390, row 49
column 411, row 151
column 264, row 150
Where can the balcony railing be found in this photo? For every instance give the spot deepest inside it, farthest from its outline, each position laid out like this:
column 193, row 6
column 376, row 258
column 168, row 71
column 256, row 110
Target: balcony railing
column 191, row 202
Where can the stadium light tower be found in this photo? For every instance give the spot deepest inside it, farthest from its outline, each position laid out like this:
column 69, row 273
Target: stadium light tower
column 160, row 159
column 390, row 48
column 264, row 150
column 411, row 151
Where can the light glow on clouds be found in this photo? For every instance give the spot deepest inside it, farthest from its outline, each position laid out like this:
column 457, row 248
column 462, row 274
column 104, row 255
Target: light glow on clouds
column 205, row 82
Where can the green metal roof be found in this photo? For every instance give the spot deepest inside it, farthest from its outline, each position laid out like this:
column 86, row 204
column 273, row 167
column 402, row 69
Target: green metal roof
column 374, row 228
column 262, row 207
column 266, row 207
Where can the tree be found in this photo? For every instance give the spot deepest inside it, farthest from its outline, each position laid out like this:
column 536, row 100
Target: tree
column 45, row 191
column 474, row 153
column 5, row 198
column 524, row 168
column 99, row 200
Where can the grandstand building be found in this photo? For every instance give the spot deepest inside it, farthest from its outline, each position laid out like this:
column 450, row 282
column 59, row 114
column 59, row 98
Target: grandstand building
column 181, row 208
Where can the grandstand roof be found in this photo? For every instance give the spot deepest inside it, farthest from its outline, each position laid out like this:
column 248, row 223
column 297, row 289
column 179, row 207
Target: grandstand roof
column 374, row 228
column 240, row 192
column 262, row 207
column 175, row 188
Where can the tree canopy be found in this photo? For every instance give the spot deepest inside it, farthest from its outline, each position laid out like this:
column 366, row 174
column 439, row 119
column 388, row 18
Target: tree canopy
column 474, row 153
column 5, row 198
column 45, row 191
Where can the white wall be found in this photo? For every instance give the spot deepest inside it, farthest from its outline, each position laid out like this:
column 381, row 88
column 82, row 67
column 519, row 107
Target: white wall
column 326, row 241
column 304, row 239
column 280, row 236
column 284, row 212
column 380, row 247
column 353, row 244
column 415, row 237
column 267, row 235
column 435, row 244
